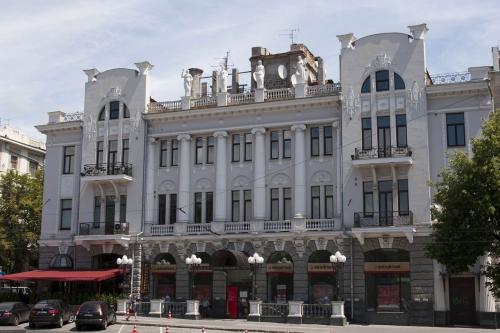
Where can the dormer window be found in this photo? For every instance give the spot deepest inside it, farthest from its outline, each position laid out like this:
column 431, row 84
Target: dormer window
column 102, row 114
column 114, row 110
column 126, row 111
column 366, row 87
column 382, row 80
column 399, row 84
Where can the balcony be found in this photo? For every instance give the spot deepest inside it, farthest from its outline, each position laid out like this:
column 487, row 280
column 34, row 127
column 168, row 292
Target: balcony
column 382, row 156
column 108, row 233
column 120, row 172
column 384, row 219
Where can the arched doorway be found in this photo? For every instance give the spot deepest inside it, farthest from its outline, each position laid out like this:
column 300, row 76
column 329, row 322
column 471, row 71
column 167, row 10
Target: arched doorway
column 387, row 280
column 279, row 277
column 232, row 281
column 202, row 280
column 322, row 278
column 163, row 269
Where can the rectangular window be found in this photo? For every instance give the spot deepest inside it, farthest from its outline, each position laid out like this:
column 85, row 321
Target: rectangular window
column 210, row 149
column 287, row 144
column 198, row 154
column 314, row 141
column 69, row 160
column 175, row 152
column 209, row 207
column 97, row 211
column 33, row 167
column 275, row 204
column 315, row 202
column 13, row 162
column 247, row 207
column 162, row 208
column 66, row 210
column 382, row 80
column 327, row 140
column 403, row 202
column 368, row 198
column 112, row 152
column 384, row 136
column 287, row 203
column 401, row 130
column 274, row 145
column 197, row 207
column 99, row 157
column 125, row 149
column 236, row 148
column 163, row 153
column 328, row 202
column 455, row 129
column 366, row 128
column 114, row 110
column 235, row 206
column 248, row 147
column 123, row 208
column 173, row 208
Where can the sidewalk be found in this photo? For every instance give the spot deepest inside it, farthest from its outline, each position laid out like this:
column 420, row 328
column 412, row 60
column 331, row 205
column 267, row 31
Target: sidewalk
column 240, row 325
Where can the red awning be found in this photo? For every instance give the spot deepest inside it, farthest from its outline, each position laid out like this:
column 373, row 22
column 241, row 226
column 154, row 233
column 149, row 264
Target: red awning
column 61, row 275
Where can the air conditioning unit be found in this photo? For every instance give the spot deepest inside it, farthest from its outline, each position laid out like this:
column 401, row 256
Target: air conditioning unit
column 118, row 226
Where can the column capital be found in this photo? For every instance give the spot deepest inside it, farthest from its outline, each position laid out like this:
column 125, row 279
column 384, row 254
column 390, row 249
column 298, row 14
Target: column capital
column 298, row 127
column 184, row 137
column 258, row 130
column 220, row 134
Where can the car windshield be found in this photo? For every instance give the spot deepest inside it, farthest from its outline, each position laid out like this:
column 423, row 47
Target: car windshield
column 6, row 306
column 44, row 305
column 89, row 307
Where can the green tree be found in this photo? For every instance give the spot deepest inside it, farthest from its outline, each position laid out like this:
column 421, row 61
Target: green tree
column 467, row 210
column 20, row 218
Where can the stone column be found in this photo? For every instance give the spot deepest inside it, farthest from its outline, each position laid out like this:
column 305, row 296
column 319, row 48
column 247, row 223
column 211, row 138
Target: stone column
column 150, row 181
column 220, row 177
column 300, row 171
column 183, row 212
column 259, row 174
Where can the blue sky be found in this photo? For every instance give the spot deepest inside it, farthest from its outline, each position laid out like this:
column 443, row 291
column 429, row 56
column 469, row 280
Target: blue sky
column 45, row 45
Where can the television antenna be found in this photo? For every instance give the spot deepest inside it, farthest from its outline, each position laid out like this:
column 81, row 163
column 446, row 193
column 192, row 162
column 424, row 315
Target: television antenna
column 291, row 33
column 224, row 61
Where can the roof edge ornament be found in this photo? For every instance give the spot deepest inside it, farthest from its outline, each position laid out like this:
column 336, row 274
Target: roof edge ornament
column 91, row 74
column 418, row 31
column 144, row 67
column 347, row 40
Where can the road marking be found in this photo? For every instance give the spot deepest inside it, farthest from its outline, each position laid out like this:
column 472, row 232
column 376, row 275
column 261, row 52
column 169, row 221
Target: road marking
column 120, row 330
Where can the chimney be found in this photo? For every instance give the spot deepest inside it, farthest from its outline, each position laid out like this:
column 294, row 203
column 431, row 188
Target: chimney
column 259, row 51
column 204, row 89
column 321, row 70
column 195, row 88
column 215, row 83
column 235, row 81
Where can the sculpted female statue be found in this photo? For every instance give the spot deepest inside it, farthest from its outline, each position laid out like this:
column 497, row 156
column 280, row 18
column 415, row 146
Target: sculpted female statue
column 188, row 81
column 223, row 79
column 300, row 74
column 259, row 74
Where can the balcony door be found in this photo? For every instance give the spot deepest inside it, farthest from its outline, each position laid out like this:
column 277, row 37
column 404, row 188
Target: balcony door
column 110, row 215
column 384, row 136
column 385, row 202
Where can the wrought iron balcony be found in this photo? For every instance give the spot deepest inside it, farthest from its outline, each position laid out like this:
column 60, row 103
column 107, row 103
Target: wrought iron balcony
column 106, row 228
column 382, row 219
column 107, row 169
column 381, row 152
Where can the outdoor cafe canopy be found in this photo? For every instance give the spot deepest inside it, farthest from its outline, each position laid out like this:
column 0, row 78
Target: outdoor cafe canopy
column 63, row 275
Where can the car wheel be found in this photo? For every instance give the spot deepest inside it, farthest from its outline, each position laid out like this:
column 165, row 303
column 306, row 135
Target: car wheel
column 15, row 322
column 104, row 324
column 60, row 324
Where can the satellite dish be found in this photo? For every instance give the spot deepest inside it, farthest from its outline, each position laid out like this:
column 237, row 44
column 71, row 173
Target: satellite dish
column 282, row 72
column 293, row 79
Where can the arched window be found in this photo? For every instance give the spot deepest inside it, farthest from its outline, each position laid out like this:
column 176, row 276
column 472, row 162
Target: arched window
column 398, row 82
column 382, row 80
column 102, row 114
column 114, row 110
column 126, row 111
column 366, row 87
column 61, row 261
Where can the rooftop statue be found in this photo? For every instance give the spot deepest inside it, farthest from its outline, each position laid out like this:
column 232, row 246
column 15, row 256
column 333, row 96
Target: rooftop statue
column 300, row 74
column 188, row 81
column 259, row 74
column 223, row 79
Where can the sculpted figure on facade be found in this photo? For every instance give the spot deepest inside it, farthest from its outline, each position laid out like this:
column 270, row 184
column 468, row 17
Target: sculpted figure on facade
column 223, row 79
column 259, row 74
column 188, row 82
column 300, row 74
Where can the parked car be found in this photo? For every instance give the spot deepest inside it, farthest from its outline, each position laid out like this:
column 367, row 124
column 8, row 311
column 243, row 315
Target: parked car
column 95, row 313
column 13, row 313
column 50, row 312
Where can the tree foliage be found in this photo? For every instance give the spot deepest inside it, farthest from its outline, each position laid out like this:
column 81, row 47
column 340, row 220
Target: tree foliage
column 20, row 218
column 467, row 207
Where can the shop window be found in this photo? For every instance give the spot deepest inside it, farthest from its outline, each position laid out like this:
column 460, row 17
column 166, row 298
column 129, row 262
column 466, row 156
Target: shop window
column 399, row 84
column 280, row 277
column 163, row 269
column 322, row 284
column 366, row 87
column 382, row 80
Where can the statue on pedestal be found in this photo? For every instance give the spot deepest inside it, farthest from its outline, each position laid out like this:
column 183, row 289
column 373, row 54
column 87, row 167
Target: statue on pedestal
column 223, row 79
column 259, row 74
column 300, row 73
column 188, row 81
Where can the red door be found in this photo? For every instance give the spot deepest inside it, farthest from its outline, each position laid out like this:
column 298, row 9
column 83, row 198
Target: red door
column 232, row 302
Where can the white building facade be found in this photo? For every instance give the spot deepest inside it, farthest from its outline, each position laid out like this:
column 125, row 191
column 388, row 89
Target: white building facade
column 294, row 173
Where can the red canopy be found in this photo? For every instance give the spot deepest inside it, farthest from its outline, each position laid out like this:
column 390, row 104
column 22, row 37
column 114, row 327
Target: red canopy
column 61, row 275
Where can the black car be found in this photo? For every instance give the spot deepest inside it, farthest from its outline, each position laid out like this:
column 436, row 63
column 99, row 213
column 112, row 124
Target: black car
column 13, row 313
column 50, row 312
column 95, row 313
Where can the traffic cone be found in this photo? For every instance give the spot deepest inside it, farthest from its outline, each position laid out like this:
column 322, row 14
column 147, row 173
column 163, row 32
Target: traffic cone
column 167, row 330
column 135, row 330
column 169, row 314
column 203, row 330
column 246, row 331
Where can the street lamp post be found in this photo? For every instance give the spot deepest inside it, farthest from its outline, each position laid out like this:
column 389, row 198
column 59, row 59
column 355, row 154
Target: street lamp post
column 125, row 261
column 255, row 262
column 340, row 259
column 190, row 262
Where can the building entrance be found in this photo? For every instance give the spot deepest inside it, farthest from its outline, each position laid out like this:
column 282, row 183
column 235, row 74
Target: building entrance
column 462, row 301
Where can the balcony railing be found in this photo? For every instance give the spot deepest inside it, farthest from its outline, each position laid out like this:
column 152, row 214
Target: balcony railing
column 103, row 169
column 320, row 224
column 277, row 226
column 106, row 228
column 75, row 116
column 381, row 152
column 237, row 227
column 382, row 219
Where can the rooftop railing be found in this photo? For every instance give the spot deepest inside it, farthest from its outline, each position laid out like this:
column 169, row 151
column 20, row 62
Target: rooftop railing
column 76, row 116
column 449, row 78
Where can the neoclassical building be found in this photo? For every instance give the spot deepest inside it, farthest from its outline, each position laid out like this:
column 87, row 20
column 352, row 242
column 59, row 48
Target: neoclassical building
column 294, row 171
